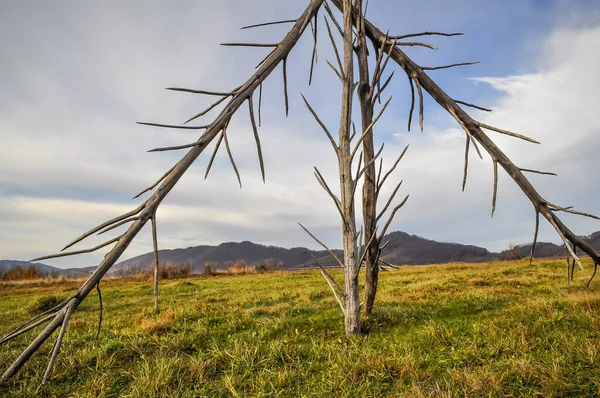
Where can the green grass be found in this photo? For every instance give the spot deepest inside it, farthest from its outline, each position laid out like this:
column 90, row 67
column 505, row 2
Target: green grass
column 497, row 329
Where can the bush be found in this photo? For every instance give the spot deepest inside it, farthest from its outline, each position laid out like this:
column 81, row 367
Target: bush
column 239, row 267
column 42, row 304
column 172, row 271
column 17, row 273
column 211, row 267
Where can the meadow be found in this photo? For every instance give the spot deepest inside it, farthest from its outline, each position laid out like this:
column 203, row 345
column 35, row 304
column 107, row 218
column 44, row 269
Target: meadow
column 473, row 330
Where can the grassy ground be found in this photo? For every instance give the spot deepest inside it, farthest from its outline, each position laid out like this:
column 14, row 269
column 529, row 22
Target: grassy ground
column 497, row 329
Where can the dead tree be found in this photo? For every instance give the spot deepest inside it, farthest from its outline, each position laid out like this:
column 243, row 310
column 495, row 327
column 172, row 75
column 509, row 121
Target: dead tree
column 57, row 318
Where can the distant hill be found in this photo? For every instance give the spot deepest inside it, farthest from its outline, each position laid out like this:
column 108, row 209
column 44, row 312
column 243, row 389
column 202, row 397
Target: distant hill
column 403, row 249
column 545, row 249
column 46, row 270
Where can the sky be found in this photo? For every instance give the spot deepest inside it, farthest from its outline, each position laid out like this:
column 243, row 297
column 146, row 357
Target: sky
column 76, row 76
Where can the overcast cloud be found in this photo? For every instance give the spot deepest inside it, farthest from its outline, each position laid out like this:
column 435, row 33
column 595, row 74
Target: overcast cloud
column 77, row 75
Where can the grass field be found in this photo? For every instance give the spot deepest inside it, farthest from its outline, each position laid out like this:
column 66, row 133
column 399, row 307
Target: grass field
column 497, row 329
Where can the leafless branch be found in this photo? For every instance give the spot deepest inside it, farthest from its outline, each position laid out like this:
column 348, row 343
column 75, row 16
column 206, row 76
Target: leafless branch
column 495, row 194
column 538, row 172
column 156, row 262
column 337, row 73
column 473, row 106
column 285, row 89
column 205, row 92
column 250, row 44
column 259, row 105
column 554, row 207
column 335, row 49
column 390, row 199
column 268, row 24
column 128, row 220
column 93, row 249
column 323, row 184
column 57, row 344
column 424, row 34
column 322, row 245
column 391, row 170
column 381, row 88
column 449, row 66
column 204, row 112
column 421, row 107
column 535, row 235
column 335, row 147
column 256, row 138
column 412, row 101
column 151, row 187
column 369, row 128
column 501, row 131
column 335, row 22
column 389, row 221
column 314, row 58
column 467, row 146
column 212, row 157
column 235, row 169
column 416, row 43
column 101, row 310
column 337, row 289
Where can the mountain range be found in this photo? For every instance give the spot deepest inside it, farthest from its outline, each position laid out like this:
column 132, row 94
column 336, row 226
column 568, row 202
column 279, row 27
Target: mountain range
column 403, row 249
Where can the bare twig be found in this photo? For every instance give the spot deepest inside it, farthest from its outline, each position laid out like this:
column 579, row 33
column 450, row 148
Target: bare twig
column 204, row 112
column 322, row 245
column 235, row 169
column 390, row 199
column 256, row 138
column 311, row 110
column 151, row 187
column 449, row 66
column 250, row 44
column 212, row 157
column 495, row 194
column 416, row 43
column 101, row 310
column 205, row 92
column 473, row 106
column 391, row 170
column 335, row 49
column 323, row 184
column 285, row 88
column 156, row 262
column 501, row 131
column 93, row 249
column 535, row 235
column 425, row 34
column 538, row 172
column 314, row 58
column 420, row 92
column 268, row 24
column 466, row 169
column 389, row 221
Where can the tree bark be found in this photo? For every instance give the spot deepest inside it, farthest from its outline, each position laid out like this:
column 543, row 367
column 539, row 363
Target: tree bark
column 351, row 266
column 369, row 198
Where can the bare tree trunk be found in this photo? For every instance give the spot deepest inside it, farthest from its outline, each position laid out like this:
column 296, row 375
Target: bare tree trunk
column 369, row 198
column 351, row 292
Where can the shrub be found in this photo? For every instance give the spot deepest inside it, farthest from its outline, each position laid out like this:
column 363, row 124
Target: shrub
column 42, row 304
column 17, row 273
column 210, row 267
